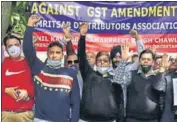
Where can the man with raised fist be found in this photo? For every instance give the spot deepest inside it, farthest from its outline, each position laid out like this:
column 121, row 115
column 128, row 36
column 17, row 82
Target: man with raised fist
column 57, row 89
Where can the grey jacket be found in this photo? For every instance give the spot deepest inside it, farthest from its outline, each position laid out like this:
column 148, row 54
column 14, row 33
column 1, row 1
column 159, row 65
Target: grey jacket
column 168, row 115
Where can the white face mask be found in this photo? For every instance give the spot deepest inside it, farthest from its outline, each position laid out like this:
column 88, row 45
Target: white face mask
column 14, row 51
column 54, row 63
column 103, row 70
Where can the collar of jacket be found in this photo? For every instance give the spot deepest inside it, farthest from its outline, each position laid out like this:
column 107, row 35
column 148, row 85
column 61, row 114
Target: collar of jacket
column 150, row 73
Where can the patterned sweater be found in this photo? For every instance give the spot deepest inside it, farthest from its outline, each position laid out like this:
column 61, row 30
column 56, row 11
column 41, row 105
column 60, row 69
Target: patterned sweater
column 57, row 90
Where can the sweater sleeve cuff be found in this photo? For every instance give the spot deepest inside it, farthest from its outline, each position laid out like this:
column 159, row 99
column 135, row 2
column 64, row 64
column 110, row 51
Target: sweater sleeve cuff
column 29, row 27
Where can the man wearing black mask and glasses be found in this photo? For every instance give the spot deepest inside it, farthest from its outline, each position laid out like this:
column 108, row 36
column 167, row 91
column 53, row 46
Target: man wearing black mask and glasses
column 73, row 62
column 72, row 59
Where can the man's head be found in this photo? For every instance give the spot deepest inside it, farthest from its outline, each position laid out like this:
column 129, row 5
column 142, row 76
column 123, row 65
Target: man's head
column 91, row 58
column 103, row 62
column 13, row 46
column 55, row 51
column 157, row 62
column 115, row 55
column 146, row 60
column 54, row 55
column 72, row 60
column 172, row 64
column 102, row 59
column 158, row 59
column 134, row 58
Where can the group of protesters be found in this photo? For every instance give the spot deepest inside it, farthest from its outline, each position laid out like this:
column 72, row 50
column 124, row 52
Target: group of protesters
column 89, row 87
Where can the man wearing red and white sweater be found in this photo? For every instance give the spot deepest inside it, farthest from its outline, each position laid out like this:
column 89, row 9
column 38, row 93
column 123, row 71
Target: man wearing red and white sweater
column 17, row 84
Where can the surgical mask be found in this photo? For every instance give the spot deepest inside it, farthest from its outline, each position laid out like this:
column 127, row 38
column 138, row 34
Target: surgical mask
column 103, row 70
column 146, row 69
column 14, row 51
column 54, row 63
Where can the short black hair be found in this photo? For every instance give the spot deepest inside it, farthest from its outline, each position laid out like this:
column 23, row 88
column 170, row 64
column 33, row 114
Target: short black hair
column 10, row 37
column 71, row 53
column 100, row 53
column 55, row 43
column 134, row 55
column 147, row 51
column 158, row 57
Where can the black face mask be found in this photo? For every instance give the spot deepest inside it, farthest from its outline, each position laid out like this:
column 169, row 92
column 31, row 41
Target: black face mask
column 74, row 67
column 146, row 69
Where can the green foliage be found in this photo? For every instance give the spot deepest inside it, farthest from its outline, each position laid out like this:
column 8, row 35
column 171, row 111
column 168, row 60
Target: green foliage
column 19, row 16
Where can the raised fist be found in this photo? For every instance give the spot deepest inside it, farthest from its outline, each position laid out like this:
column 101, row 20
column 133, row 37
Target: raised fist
column 133, row 33
column 83, row 28
column 67, row 34
column 33, row 19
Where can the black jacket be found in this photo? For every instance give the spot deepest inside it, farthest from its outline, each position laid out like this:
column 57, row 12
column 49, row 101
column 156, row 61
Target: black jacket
column 99, row 101
column 169, row 110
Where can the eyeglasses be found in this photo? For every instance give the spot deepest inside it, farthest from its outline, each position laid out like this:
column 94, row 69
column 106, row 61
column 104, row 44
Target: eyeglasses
column 71, row 62
column 18, row 45
column 104, row 60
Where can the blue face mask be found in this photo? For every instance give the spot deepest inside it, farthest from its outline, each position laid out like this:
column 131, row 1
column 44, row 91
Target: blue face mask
column 14, row 51
column 54, row 63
